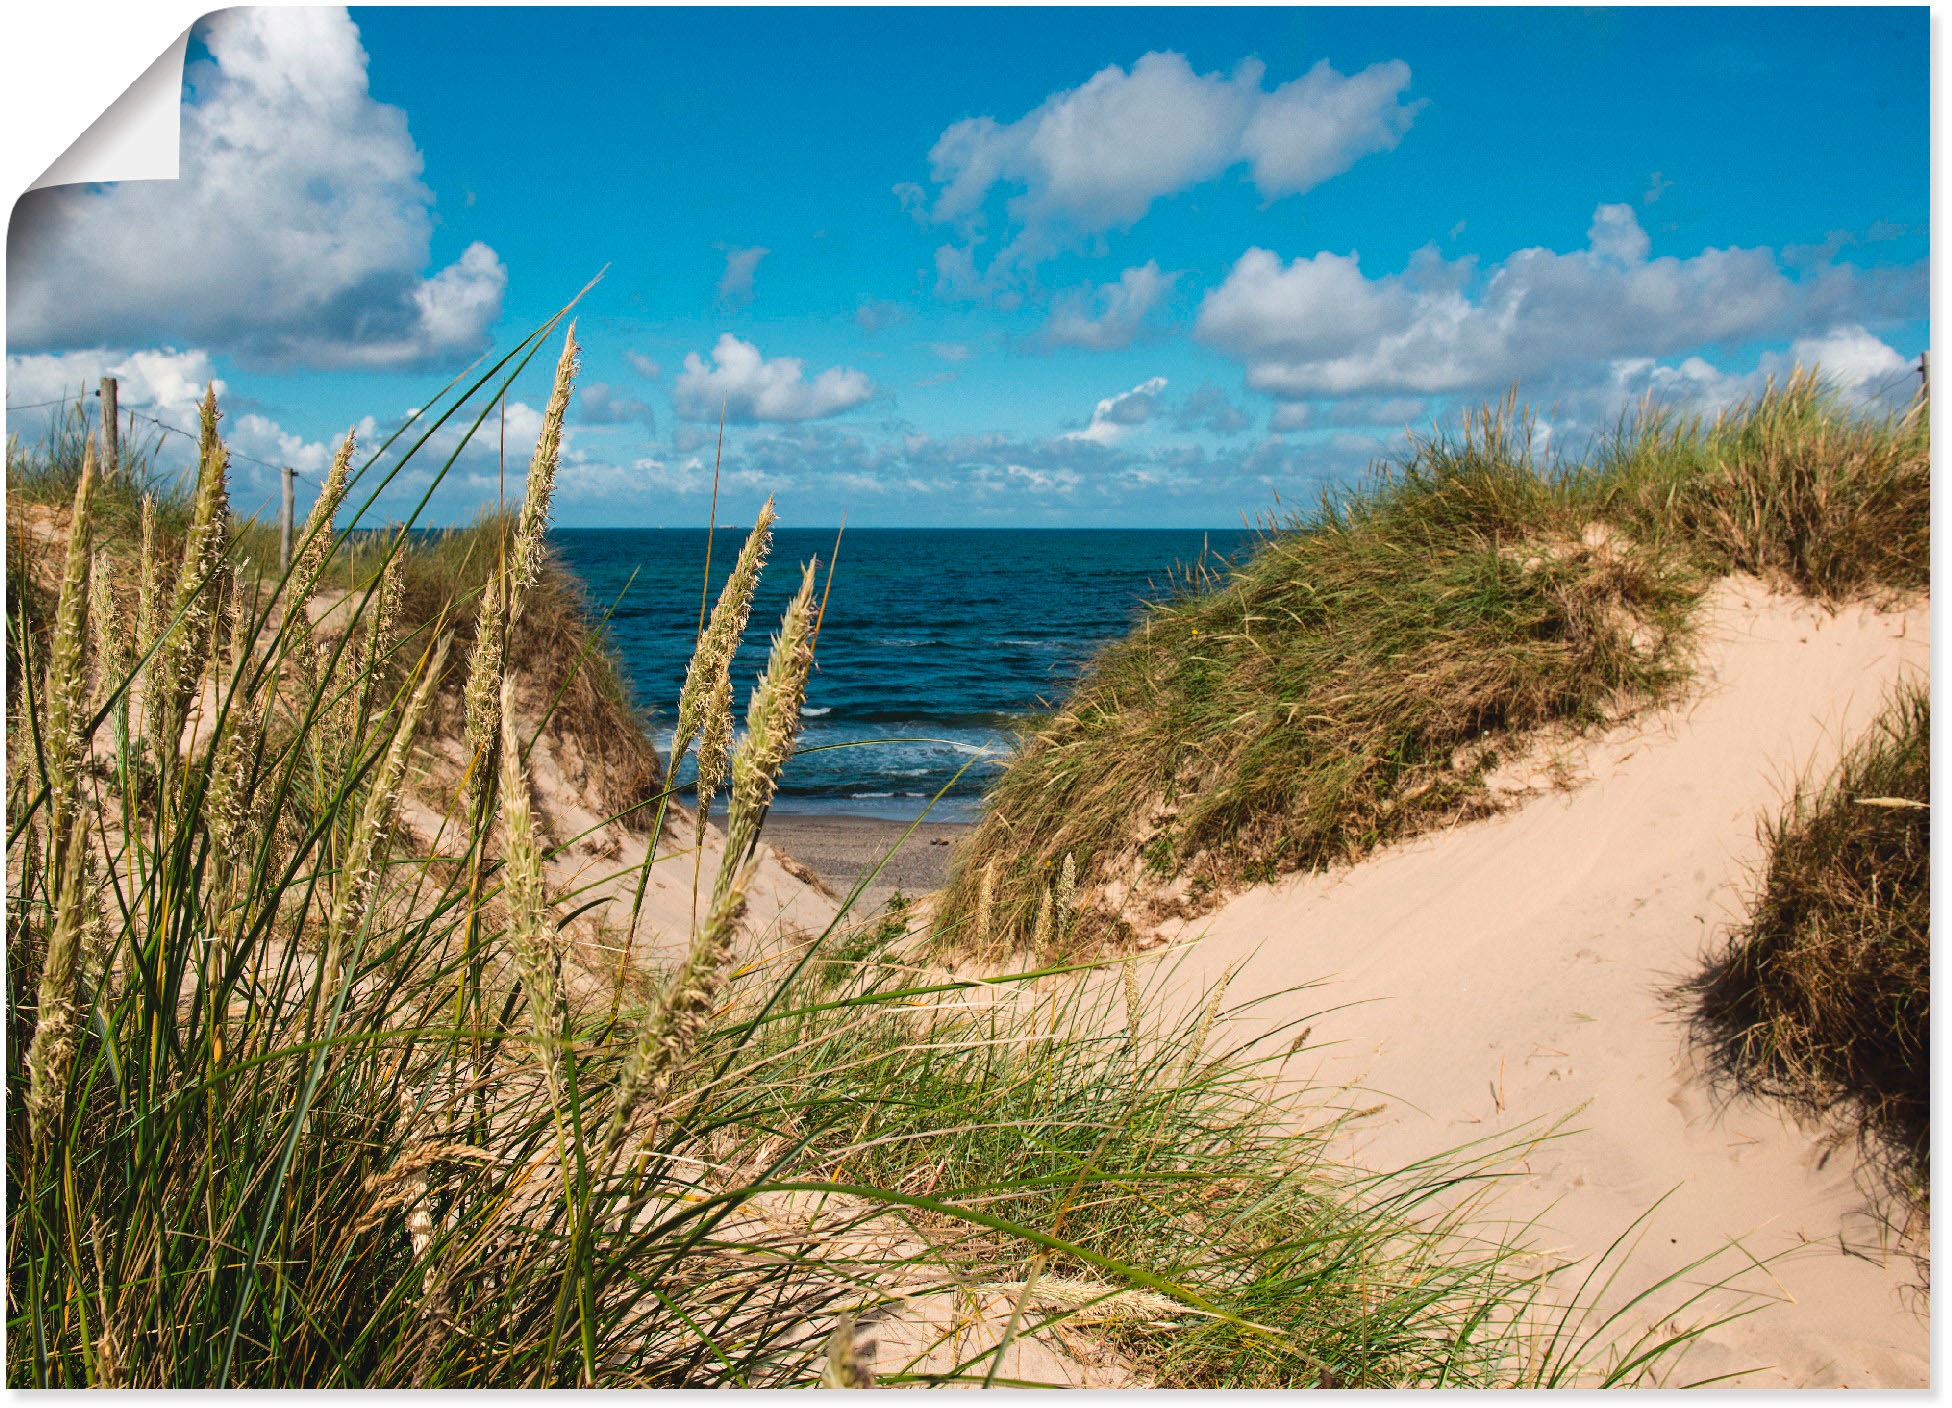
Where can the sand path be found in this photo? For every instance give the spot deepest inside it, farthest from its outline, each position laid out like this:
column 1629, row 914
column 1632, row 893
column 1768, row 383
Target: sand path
column 1518, row 970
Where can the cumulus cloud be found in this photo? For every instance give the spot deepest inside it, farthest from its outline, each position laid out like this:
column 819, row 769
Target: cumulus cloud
column 1855, row 361
column 752, row 387
column 1317, row 327
column 1210, row 409
column 156, row 380
column 297, row 231
column 1114, row 416
column 1109, row 316
column 162, row 387
column 599, row 403
column 1862, row 367
column 735, row 284
column 644, row 366
column 1095, row 157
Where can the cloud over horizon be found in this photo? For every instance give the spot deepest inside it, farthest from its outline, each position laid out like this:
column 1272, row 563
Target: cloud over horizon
column 750, row 387
column 1116, row 415
column 1316, row 327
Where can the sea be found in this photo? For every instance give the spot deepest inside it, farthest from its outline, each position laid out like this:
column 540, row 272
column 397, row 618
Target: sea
column 937, row 646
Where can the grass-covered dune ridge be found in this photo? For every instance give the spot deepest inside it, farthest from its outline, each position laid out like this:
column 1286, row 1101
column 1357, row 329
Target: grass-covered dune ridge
column 298, row 1096
column 1823, row 995
column 572, row 678
column 1365, row 672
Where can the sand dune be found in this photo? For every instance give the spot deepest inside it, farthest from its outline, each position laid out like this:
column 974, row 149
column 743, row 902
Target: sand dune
column 1518, row 971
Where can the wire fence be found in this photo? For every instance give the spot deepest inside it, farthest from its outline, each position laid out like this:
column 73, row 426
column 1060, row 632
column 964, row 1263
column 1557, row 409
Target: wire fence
column 135, row 414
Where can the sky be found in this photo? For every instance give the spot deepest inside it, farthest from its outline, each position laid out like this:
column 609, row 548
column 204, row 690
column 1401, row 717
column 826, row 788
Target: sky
column 1011, row 267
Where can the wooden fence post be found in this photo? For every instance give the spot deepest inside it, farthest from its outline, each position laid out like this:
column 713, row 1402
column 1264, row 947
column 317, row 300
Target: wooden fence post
column 111, row 430
column 284, row 522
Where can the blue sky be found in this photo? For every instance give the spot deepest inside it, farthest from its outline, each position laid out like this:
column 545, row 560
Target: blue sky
column 1105, row 266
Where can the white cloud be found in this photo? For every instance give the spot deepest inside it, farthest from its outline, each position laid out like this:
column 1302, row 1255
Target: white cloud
column 644, row 366
column 1210, row 409
column 1116, row 415
column 1855, row 362
column 298, row 230
column 1095, row 157
column 1316, row 127
column 265, row 439
column 1316, row 327
column 160, row 380
column 599, row 403
column 1108, row 316
column 752, row 388
column 735, row 284
column 1861, row 366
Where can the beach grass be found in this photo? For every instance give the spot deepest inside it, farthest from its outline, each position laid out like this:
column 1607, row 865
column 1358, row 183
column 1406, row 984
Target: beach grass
column 1823, row 995
column 1366, row 670
column 297, row 1098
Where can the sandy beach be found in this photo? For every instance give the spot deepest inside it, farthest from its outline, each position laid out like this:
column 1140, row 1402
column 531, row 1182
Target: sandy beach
column 1521, row 974
column 841, row 849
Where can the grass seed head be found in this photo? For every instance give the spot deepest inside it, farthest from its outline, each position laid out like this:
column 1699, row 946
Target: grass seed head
column 66, row 693
column 364, row 853
column 316, row 537
column 528, row 931
column 57, row 1017
column 773, row 725
column 531, row 528
column 482, row 696
column 707, row 688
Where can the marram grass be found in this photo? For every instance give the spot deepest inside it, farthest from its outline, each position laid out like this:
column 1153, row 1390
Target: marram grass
column 299, row 1101
column 1360, row 675
column 1823, row 995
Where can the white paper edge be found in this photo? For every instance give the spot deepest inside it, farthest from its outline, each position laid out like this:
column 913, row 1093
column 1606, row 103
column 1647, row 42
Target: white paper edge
column 64, row 67
column 139, row 138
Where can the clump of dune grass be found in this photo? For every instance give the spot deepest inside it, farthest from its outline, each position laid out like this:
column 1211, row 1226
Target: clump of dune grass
column 304, row 1100
column 262, row 1135
column 1823, row 995
column 1184, row 1209
column 1795, row 486
column 1352, row 681
column 1363, row 672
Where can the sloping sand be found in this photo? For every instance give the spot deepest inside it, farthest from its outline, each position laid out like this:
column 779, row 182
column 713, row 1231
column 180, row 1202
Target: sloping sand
column 1517, row 971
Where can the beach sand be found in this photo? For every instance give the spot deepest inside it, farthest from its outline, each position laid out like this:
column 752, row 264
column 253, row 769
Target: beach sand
column 840, row 849
column 1489, row 982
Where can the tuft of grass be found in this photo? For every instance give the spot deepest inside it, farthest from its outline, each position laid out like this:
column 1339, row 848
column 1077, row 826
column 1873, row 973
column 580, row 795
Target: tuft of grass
column 1149, row 1185
column 294, row 1102
column 1351, row 682
column 1796, row 487
column 1360, row 676
column 1823, row 996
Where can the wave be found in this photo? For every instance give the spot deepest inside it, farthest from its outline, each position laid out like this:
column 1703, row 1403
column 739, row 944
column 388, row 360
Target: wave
column 921, row 721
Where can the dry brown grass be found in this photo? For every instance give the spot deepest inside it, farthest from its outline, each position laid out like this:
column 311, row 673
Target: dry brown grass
column 1823, row 997
column 1360, row 675
column 1351, row 683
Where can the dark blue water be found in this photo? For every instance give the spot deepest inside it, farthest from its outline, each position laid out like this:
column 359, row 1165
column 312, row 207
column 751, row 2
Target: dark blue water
column 936, row 644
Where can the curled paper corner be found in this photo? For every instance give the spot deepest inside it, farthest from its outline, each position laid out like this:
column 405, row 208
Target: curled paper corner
column 138, row 137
